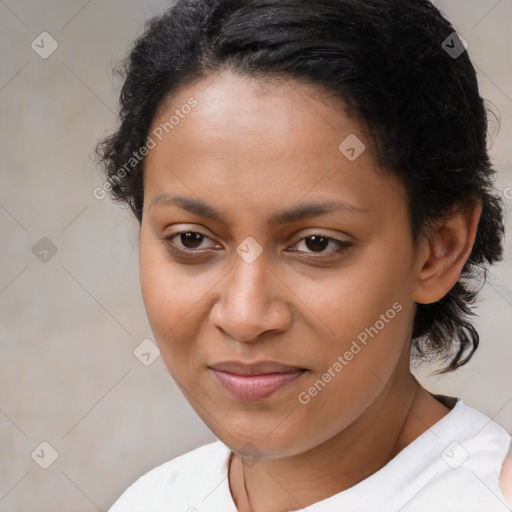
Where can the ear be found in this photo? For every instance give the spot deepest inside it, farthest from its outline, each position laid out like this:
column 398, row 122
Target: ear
column 444, row 252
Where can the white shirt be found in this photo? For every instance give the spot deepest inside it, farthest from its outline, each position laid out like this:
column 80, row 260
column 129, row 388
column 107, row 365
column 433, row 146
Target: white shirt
column 454, row 466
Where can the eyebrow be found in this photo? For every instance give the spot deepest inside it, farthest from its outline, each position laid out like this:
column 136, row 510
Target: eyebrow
column 284, row 217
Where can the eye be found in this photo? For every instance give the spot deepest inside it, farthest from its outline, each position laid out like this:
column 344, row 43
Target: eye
column 317, row 243
column 189, row 242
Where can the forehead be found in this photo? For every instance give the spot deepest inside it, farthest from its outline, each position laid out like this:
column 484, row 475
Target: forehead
column 236, row 105
column 266, row 141
column 223, row 88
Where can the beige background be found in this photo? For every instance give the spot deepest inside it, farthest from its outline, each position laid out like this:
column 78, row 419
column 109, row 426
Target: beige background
column 68, row 327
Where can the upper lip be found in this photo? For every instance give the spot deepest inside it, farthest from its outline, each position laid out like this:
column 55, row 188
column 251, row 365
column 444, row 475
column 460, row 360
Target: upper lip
column 260, row 368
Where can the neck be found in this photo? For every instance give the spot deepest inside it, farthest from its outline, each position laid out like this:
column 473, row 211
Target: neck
column 395, row 419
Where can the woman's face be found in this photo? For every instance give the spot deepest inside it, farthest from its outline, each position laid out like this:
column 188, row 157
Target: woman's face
column 261, row 276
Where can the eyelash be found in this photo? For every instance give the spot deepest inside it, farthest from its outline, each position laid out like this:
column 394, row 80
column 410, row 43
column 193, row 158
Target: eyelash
column 171, row 246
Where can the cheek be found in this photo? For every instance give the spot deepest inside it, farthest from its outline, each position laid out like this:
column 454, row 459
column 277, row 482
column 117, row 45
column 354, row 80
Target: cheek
column 155, row 285
column 367, row 308
column 176, row 302
column 357, row 364
column 168, row 295
column 356, row 296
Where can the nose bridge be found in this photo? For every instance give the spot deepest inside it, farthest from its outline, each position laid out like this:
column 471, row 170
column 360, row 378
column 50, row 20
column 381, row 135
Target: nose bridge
column 248, row 300
column 248, row 287
column 249, row 276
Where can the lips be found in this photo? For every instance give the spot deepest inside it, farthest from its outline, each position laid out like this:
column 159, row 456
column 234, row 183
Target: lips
column 249, row 382
column 261, row 368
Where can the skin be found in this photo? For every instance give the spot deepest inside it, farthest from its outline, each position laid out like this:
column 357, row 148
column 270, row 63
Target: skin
column 506, row 478
column 251, row 149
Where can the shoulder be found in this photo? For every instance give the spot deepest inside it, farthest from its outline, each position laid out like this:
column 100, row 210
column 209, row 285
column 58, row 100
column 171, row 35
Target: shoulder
column 182, row 473
column 488, row 454
column 464, row 461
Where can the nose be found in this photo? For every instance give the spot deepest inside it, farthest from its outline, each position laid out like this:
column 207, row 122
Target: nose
column 252, row 302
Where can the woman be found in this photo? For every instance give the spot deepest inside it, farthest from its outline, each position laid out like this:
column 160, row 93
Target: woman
column 314, row 196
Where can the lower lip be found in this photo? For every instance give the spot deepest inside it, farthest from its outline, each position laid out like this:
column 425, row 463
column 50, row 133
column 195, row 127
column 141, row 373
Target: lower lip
column 255, row 387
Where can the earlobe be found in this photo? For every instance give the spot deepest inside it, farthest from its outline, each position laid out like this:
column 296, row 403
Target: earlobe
column 445, row 252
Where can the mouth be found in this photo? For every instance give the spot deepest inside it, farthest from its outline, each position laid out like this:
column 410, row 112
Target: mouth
column 252, row 382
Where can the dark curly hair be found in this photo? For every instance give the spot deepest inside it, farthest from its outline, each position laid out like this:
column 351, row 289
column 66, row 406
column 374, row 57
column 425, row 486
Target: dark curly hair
column 398, row 66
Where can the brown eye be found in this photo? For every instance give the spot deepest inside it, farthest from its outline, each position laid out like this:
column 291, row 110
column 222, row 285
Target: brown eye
column 189, row 243
column 318, row 244
column 191, row 239
column 185, row 242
